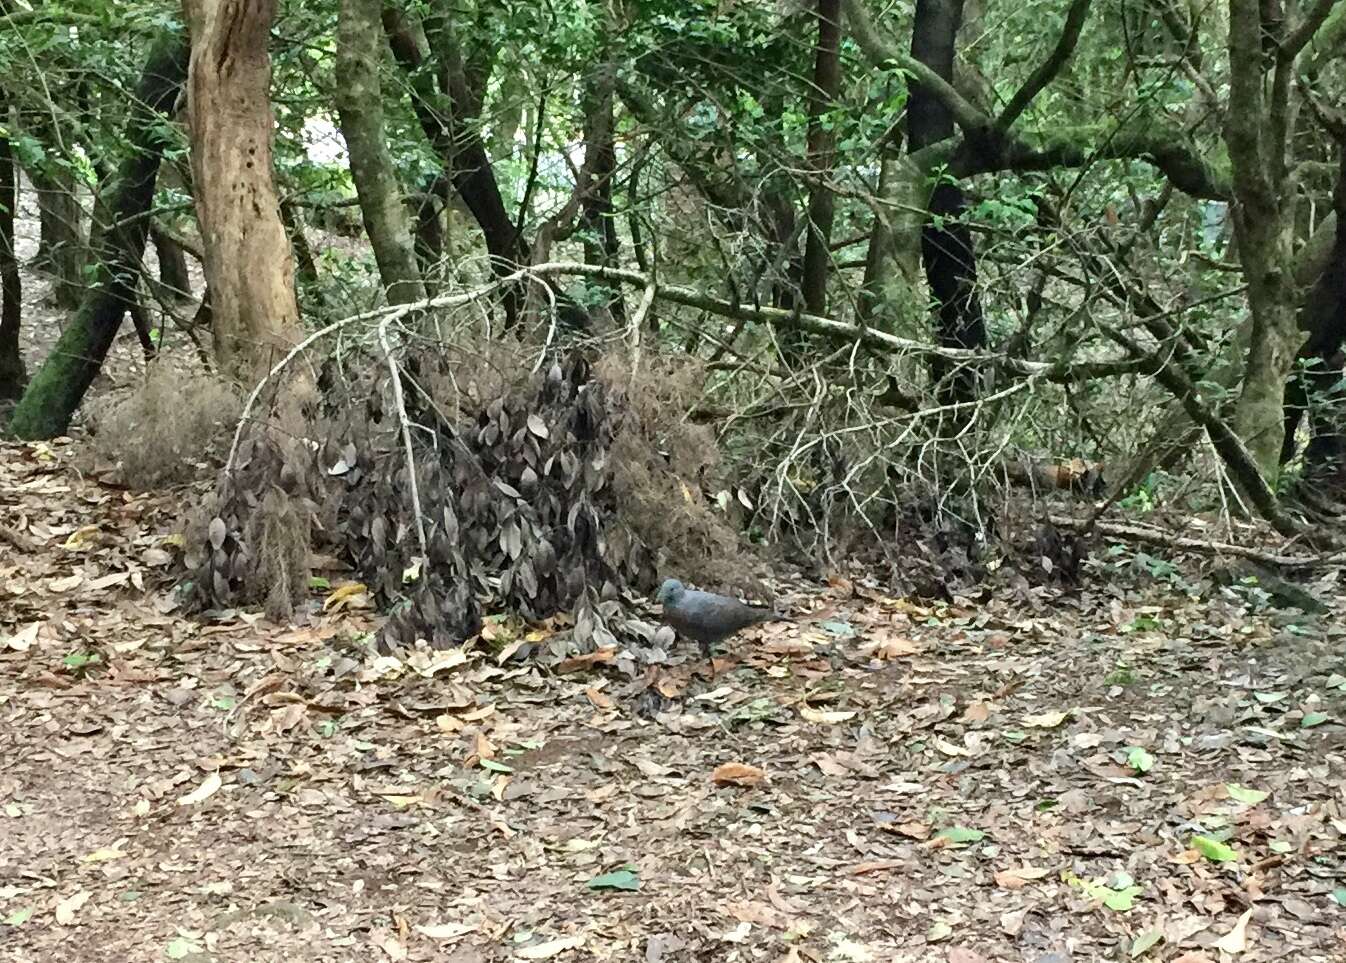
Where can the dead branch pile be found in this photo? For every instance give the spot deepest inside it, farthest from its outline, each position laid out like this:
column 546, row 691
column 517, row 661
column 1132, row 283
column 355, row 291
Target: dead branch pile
column 564, row 491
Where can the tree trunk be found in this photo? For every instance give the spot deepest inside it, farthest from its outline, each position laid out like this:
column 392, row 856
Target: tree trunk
column 1323, row 316
column 596, row 220
column 13, row 375
column 359, row 55
column 1255, row 136
column 61, row 241
column 306, row 269
column 173, row 274
column 946, row 242
column 248, row 262
column 118, row 245
column 821, row 149
column 429, row 236
column 440, row 105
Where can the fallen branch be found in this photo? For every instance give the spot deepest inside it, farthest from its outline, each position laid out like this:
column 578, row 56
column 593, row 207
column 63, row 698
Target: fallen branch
column 1155, row 536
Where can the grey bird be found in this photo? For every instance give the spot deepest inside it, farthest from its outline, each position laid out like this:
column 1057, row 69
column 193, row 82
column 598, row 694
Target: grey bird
column 706, row 617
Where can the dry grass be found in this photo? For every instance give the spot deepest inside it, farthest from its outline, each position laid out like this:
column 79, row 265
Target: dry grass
column 662, row 465
column 163, row 431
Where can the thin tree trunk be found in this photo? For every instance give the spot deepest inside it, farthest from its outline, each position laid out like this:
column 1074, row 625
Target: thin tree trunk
column 248, row 262
column 359, row 54
column 596, row 221
column 821, row 150
column 429, row 239
column 440, row 105
column 119, row 243
column 946, row 242
column 173, row 274
column 61, row 244
column 1323, row 316
column 306, row 269
column 13, row 375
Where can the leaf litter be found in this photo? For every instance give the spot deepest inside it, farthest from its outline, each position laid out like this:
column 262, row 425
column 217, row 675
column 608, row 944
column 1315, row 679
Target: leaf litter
column 1029, row 777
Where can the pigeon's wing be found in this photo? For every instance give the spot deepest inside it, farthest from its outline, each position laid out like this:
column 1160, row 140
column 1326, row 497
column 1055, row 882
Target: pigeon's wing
column 713, row 617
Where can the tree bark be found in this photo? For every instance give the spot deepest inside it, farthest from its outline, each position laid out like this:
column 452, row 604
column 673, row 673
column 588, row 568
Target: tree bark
column 1323, row 317
column 1257, row 133
column 596, row 221
column 821, row 156
column 173, row 274
column 61, row 239
column 359, row 56
column 13, row 375
column 249, row 265
column 119, row 243
column 946, row 242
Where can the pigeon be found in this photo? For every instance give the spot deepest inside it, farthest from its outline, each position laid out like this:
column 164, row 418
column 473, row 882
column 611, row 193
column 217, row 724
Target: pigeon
column 706, row 617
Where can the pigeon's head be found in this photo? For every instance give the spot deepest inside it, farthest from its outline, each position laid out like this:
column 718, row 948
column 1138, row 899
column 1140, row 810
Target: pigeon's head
column 669, row 592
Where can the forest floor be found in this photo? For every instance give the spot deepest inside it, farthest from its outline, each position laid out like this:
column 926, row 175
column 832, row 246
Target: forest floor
column 990, row 780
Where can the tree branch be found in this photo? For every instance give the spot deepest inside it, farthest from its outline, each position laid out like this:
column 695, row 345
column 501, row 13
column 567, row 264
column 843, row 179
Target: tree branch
column 1049, row 68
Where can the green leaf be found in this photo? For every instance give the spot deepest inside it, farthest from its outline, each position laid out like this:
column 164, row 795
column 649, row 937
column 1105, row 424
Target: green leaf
column 625, row 878
column 1139, row 759
column 1313, row 719
column 1213, row 849
column 1249, row 797
column 842, row 630
column 78, row 660
column 1142, row 943
column 961, row 835
column 319, row 583
column 494, row 766
column 1338, row 894
column 19, row 916
column 180, row 948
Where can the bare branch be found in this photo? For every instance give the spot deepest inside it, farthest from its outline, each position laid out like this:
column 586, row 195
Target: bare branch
column 1049, row 68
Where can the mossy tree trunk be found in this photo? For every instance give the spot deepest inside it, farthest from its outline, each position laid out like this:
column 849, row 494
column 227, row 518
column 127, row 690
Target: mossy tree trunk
column 248, row 262
column 359, row 100
column 118, row 244
column 1257, row 134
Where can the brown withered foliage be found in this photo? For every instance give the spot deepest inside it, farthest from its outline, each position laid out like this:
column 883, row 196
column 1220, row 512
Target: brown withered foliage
column 564, row 491
column 161, row 430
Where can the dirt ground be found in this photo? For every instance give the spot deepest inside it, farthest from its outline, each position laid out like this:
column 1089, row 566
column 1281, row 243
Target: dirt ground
column 1149, row 768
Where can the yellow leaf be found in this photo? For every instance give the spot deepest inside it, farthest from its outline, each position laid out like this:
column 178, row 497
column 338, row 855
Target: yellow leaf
column 103, row 855
column 1047, row 720
column 80, row 538
column 344, row 595
column 202, row 792
column 830, row 718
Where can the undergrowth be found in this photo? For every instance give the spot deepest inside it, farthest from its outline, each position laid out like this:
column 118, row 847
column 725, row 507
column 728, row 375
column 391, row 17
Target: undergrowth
column 162, row 431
